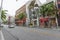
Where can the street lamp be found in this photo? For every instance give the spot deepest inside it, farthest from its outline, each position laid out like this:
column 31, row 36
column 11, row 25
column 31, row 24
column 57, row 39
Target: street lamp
column 1, row 11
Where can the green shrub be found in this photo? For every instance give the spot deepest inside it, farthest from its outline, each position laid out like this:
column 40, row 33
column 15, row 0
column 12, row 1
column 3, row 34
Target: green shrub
column 21, row 16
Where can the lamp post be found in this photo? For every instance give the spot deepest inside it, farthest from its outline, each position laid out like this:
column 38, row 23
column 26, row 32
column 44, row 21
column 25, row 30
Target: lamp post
column 1, row 11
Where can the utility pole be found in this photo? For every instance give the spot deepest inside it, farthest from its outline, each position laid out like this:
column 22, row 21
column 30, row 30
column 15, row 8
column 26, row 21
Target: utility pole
column 1, row 11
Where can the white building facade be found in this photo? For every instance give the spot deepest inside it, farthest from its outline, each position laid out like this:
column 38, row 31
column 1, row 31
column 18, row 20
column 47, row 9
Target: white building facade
column 33, row 17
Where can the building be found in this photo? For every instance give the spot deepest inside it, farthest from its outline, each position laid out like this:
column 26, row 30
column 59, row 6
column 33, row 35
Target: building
column 22, row 9
column 31, row 8
column 19, row 11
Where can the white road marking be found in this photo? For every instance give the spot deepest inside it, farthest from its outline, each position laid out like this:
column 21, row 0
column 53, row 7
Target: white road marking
column 2, row 37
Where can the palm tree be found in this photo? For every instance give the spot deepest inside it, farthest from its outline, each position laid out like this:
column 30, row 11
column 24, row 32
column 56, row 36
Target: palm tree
column 21, row 16
column 42, row 10
column 3, row 15
column 47, row 9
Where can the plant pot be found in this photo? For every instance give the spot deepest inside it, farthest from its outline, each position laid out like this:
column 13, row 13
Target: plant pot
column 31, row 26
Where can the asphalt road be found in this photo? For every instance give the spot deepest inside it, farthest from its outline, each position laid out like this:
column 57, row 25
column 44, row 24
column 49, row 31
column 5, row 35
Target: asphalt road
column 23, row 33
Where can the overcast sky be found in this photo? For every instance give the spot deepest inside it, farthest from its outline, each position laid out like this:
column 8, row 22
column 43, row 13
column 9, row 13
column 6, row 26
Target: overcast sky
column 12, row 5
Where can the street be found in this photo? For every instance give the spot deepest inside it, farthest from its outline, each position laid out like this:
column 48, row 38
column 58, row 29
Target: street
column 24, row 33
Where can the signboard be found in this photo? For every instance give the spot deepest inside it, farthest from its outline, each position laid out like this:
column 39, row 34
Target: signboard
column 58, row 3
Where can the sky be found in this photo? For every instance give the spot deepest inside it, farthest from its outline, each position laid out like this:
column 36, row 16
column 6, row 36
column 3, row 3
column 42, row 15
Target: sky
column 13, row 5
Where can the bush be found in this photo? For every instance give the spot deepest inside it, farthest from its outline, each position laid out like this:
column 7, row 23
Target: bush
column 21, row 16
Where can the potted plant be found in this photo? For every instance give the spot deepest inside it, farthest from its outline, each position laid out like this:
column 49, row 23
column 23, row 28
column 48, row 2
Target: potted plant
column 31, row 25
